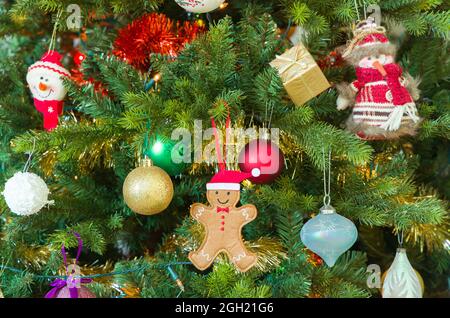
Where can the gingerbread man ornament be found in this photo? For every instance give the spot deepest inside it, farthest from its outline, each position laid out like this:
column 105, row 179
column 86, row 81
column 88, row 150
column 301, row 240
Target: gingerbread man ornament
column 223, row 221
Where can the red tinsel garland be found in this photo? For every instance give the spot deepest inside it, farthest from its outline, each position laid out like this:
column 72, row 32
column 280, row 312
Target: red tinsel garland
column 153, row 33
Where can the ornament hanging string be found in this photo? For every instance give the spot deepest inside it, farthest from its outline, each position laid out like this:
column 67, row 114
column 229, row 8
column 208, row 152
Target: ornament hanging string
column 357, row 9
column 209, row 18
column 269, row 124
column 220, row 160
column 52, row 44
column 295, row 167
column 80, row 247
column 30, row 155
column 326, row 177
column 400, row 238
column 365, row 10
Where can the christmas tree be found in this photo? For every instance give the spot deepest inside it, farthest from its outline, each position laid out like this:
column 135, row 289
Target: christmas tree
column 143, row 72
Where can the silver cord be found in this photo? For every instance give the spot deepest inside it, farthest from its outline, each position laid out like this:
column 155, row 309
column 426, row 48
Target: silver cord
column 326, row 181
column 365, row 10
column 28, row 163
column 52, row 44
column 357, row 10
column 270, row 118
column 400, row 238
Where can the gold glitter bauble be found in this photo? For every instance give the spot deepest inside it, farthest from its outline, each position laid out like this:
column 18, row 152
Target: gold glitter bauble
column 148, row 189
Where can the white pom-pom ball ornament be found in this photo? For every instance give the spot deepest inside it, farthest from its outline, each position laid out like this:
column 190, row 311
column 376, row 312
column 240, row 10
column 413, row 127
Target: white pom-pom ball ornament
column 26, row 193
column 199, row 6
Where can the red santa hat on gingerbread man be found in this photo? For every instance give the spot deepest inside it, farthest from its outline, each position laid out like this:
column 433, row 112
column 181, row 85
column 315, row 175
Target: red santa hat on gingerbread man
column 230, row 179
column 45, row 79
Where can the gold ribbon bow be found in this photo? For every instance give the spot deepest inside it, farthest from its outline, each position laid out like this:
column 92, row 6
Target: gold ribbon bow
column 292, row 63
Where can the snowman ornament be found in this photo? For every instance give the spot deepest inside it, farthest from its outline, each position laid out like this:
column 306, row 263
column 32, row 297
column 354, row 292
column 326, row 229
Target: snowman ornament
column 382, row 96
column 45, row 79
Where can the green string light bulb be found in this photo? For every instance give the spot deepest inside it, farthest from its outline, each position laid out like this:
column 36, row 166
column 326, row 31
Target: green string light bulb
column 168, row 155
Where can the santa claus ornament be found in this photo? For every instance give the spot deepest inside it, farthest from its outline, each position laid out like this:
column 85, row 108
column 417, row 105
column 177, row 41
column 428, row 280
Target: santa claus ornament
column 382, row 96
column 45, row 79
column 223, row 221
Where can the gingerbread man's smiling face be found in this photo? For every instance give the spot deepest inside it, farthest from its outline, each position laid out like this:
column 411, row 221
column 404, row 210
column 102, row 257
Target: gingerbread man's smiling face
column 223, row 198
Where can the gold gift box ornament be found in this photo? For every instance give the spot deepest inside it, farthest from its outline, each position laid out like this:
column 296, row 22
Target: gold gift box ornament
column 302, row 77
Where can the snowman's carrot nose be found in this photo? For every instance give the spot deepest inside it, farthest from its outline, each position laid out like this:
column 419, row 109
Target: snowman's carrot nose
column 379, row 67
column 42, row 87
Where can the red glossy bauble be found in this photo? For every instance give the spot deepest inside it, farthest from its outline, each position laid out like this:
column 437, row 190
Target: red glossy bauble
column 266, row 156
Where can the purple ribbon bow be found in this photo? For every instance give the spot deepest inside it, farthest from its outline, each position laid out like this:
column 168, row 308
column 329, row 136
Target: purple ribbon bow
column 70, row 281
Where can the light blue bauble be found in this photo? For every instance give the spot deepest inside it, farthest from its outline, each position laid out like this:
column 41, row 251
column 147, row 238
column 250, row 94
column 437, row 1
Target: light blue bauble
column 329, row 234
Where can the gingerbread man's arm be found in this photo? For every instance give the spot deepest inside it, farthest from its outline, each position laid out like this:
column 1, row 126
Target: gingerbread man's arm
column 248, row 213
column 200, row 212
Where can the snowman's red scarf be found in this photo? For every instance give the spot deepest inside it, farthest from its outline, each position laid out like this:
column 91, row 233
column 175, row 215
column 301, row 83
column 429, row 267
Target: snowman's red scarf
column 50, row 117
column 400, row 94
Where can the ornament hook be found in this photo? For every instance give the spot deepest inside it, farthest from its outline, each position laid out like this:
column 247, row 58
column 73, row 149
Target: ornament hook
column 52, row 44
column 326, row 177
column 30, row 155
column 400, row 238
column 357, row 9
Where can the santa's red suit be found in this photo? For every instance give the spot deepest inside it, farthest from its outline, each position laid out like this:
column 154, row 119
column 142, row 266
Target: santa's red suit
column 378, row 96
